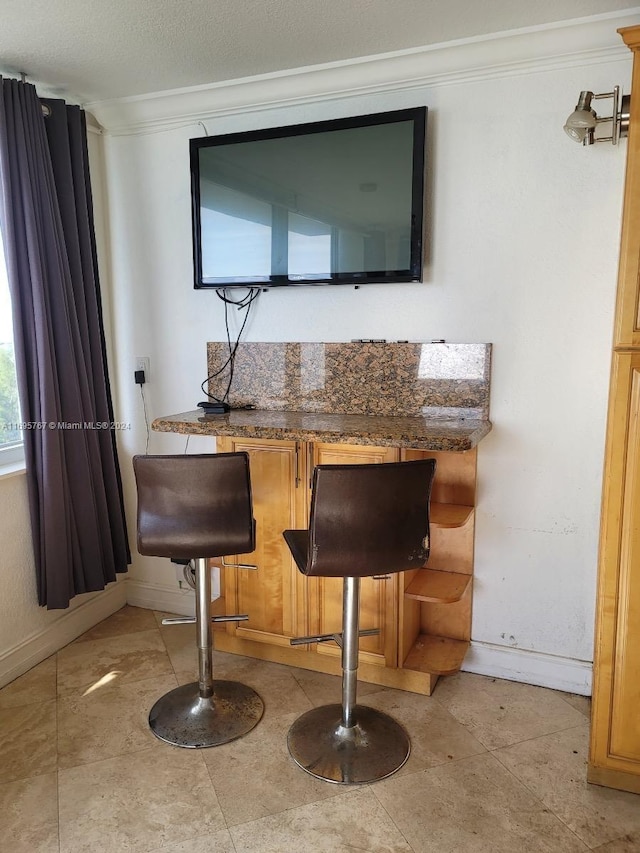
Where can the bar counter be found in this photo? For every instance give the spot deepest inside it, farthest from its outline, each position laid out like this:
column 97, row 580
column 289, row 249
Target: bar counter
column 418, row 433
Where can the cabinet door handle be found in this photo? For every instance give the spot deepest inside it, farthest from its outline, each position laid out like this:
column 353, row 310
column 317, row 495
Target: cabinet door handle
column 297, row 464
column 239, row 565
column 381, row 577
column 310, row 463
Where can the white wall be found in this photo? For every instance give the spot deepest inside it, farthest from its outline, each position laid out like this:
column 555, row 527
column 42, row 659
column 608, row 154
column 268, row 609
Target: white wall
column 523, row 246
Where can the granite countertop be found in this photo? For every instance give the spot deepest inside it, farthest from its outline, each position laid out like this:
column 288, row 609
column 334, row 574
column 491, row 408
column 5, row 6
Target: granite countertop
column 419, row 433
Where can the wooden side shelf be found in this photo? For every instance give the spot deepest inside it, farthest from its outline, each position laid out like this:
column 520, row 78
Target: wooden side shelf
column 436, row 655
column 449, row 515
column 439, row 587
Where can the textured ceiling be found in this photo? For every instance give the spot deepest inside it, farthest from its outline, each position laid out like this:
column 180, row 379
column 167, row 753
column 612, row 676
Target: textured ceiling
column 95, row 50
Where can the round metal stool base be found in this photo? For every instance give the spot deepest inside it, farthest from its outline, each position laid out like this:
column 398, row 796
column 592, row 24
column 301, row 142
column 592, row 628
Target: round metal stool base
column 182, row 718
column 374, row 748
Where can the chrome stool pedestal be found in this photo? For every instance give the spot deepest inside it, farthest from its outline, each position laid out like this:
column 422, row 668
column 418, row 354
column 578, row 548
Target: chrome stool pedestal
column 348, row 743
column 372, row 748
column 365, row 521
column 206, row 712
column 199, row 506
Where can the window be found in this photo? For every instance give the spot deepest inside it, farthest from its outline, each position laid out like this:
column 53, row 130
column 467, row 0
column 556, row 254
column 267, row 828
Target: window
column 11, row 448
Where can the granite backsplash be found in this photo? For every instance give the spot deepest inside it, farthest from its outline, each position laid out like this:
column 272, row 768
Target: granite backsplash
column 438, row 380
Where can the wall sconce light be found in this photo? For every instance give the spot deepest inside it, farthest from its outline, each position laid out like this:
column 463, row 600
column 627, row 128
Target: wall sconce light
column 581, row 124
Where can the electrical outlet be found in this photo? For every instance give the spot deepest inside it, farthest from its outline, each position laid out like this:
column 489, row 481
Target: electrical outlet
column 215, row 581
column 142, row 363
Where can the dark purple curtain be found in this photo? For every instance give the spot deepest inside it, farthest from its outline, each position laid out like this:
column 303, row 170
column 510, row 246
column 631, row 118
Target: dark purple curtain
column 75, row 493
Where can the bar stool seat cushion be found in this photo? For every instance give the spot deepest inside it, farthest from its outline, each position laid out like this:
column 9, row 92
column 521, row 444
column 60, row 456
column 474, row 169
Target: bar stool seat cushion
column 194, row 510
column 365, row 520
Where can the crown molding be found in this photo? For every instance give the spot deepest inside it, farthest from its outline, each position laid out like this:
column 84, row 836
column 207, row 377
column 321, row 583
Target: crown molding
column 579, row 42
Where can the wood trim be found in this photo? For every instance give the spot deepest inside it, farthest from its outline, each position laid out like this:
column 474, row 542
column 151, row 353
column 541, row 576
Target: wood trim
column 401, row 679
column 630, row 36
column 438, row 586
column 450, row 515
column 624, row 741
column 437, row 655
column 627, row 322
column 614, row 779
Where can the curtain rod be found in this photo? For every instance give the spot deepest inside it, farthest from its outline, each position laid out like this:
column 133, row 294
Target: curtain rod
column 46, row 109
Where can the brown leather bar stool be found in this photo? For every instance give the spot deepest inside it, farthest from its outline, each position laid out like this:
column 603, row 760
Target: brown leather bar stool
column 365, row 520
column 195, row 507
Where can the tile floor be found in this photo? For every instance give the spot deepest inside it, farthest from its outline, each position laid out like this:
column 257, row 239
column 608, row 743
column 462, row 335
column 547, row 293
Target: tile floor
column 495, row 766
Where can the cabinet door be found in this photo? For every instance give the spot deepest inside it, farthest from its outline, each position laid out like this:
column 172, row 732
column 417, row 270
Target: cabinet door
column 615, row 741
column 378, row 598
column 274, row 596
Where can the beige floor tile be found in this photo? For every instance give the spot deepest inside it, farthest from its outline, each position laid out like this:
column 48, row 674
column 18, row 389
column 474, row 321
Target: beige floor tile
column 274, row 682
column 159, row 615
column 628, row 844
column 132, row 657
column 554, row 768
column 137, row 803
column 27, row 741
column 216, row 842
column 349, row 822
column 35, row 686
column 436, row 737
column 500, row 712
column 29, row 815
column 472, row 806
column 123, row 791
column 108, row 721
column 181, row 644
column 127, row 620
column 255, row 776
column 580, row 703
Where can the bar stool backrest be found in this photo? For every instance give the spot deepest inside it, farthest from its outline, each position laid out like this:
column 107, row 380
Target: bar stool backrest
column 367, row 519
column 194, row 505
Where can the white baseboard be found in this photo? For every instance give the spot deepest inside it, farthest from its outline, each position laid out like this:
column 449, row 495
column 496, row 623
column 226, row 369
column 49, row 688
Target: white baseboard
column 156, row 597
column 543, row 670
column 47, row 641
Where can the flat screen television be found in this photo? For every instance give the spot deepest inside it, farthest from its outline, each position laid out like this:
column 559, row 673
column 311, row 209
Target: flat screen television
column 330, row 202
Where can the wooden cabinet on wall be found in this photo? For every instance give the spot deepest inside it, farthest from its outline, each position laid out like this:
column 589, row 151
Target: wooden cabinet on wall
column 423, row 616
column 614, row 758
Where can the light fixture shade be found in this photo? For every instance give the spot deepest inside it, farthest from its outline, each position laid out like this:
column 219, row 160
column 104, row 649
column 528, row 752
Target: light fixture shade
column 578, row 134
column 582, row 119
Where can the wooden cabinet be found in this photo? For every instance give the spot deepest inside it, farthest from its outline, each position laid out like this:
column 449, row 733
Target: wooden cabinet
column 423, row 616
column 274, row 595
column 614, row 758
column 615, row 734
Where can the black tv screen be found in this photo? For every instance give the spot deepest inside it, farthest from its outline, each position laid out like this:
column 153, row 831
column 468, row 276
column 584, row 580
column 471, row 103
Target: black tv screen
column 331, row 202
